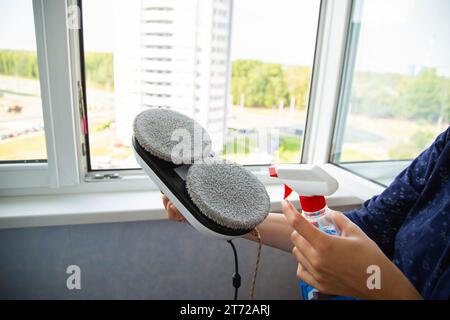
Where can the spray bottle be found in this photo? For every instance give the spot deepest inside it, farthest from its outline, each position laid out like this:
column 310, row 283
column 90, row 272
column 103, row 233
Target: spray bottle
column 312, row 184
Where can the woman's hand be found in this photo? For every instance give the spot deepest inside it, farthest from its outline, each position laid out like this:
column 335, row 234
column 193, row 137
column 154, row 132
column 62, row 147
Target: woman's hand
column 172, row 212
column 338, row 265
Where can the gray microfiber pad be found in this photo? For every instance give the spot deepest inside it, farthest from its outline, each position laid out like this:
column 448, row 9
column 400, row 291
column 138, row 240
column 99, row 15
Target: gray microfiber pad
column 156, row 131
column 228, row 194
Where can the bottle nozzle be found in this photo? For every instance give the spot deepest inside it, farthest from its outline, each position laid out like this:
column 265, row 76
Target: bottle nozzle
column 312, row 203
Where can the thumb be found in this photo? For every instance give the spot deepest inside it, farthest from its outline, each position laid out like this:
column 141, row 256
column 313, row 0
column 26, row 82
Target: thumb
column 344, row 224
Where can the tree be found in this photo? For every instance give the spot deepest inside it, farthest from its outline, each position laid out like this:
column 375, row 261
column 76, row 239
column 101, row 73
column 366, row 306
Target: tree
column 297, row 80
column 373, row 94
column 262, row 84
column 99, row 69
column 21, row 63
column 426, row 97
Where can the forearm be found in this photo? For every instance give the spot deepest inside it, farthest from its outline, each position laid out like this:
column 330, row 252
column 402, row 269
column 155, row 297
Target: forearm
column 275, row 232
column 394, row 285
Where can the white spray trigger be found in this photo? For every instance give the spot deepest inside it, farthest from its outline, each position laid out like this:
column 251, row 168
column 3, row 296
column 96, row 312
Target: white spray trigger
column 306, row 179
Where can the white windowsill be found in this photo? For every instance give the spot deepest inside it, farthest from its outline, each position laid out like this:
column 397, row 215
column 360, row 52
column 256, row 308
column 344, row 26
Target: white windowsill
column 105, row 207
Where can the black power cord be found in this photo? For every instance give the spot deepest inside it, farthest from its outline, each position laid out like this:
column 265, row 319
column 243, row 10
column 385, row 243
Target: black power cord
column 236, row 276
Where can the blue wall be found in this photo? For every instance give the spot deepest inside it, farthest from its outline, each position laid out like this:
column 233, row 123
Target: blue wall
column 135, row 260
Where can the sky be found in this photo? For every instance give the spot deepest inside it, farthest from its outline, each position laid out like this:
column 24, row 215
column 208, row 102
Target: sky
column 398, row 35
column 17, row 25
column 283, row 31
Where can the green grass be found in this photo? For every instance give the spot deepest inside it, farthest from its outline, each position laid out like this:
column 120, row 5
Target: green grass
column 29, row 147
column 102, row 126
column 289, row 150
column 102, row 144
column 241, row 145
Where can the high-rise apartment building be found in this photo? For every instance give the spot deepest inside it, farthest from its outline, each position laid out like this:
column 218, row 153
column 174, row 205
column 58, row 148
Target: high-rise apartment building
column 172, row 54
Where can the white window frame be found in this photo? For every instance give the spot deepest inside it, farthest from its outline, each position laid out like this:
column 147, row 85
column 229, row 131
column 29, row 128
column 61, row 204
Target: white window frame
column 59, row 72
column 383, row 170
column 56, row 101
column 326, row 80
column 58, row 75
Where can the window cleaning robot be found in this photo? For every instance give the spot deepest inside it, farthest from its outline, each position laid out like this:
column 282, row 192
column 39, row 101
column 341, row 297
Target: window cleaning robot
column 218, row 198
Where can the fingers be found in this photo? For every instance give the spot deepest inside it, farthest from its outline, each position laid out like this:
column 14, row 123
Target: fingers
column 165, row 201
column 344, row 224
column 306, row 276
column 172, row 211
column 302, row 260
column 303, row 226
column 303, row 246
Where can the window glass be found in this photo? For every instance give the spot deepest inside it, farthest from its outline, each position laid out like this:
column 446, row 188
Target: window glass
column 240, row 68
column 21, row 121
column 396, row 86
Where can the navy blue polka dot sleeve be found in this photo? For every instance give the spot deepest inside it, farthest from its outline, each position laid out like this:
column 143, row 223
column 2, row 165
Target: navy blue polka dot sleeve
column 410, row 220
